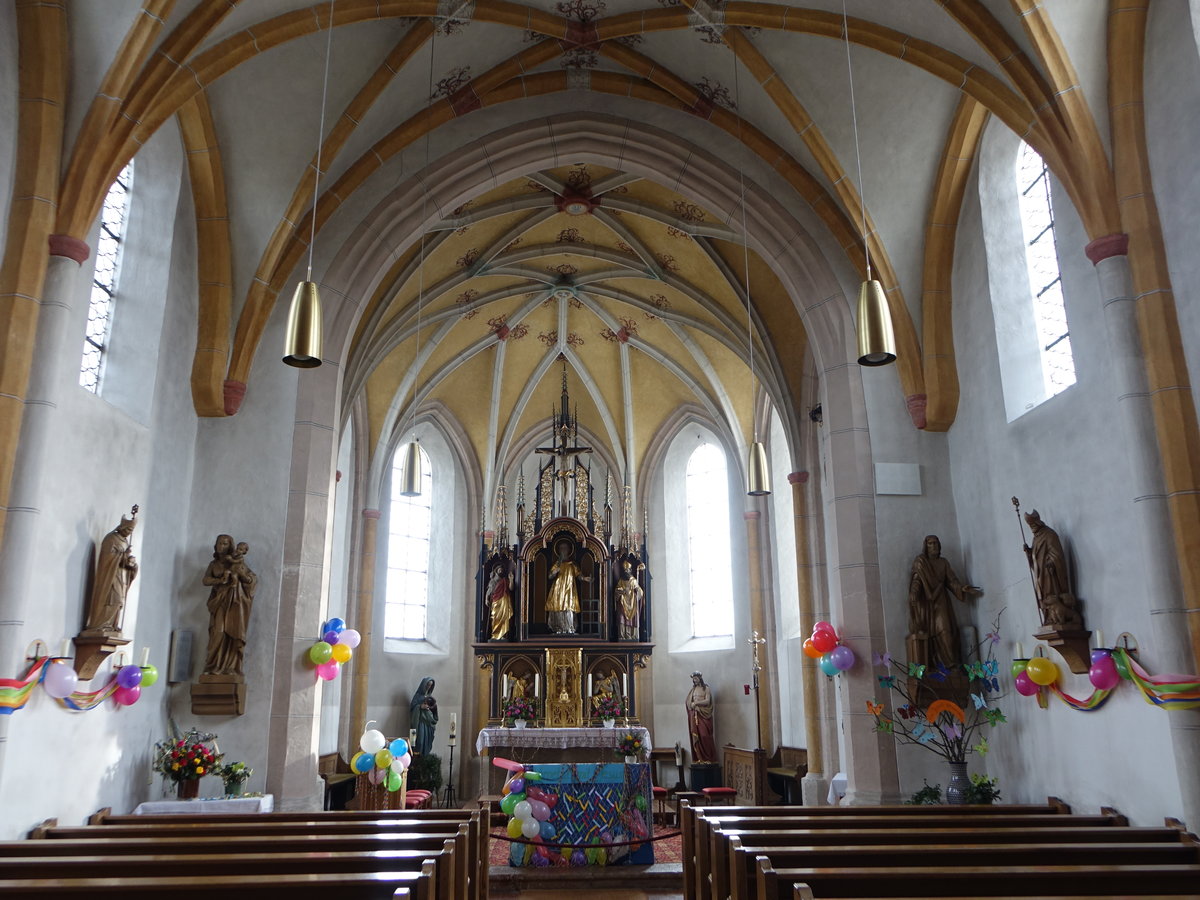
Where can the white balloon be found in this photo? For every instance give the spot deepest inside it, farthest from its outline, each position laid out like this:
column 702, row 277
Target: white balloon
column 531, row 828
column 523, row 811
column 372, row 741
column 399, row 765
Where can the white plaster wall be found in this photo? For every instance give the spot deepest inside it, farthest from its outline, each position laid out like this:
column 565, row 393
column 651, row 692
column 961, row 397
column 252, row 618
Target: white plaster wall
column 725, row 670
column 102, row 461
column 447, row 655
column 1065, row 459
column 336, row 697
column 8, row 112
column 788, row 637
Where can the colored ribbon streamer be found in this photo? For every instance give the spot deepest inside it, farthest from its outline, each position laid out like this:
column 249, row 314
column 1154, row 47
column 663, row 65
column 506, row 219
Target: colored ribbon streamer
column 1165, row 691
column 1097, row 699
column 15, row 692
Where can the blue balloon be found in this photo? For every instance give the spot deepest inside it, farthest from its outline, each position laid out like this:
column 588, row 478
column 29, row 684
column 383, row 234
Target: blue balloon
column 338, row 625
column 548, row 831
column 827, row 666
column 398, row 747
column 364, row 763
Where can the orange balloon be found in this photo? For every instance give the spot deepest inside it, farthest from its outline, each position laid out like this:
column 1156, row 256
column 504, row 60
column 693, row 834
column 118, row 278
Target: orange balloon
column 811, row 651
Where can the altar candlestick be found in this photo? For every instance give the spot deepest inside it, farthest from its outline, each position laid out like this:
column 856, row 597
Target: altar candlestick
column 145, row 657
column 1099, row 639
column 1020, row 651
column 66, row 648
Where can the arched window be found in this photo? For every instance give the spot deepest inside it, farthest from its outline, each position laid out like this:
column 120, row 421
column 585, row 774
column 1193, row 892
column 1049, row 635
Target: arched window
column 410, row 525
column 113, row 218
column 709, row 550
column 1045, row 281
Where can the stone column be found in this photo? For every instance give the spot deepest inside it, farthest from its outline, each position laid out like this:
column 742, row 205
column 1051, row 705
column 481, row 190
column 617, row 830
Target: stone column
column 364, row 617
column 295, row 701
column 815, row 783
column 1160, row 570
column 758, row 623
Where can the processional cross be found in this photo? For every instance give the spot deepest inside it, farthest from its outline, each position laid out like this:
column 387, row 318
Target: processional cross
column 756, row 667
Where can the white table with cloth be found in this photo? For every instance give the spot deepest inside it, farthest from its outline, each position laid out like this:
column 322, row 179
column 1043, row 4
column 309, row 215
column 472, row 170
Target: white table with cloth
column 207, row 807
column 550, row 745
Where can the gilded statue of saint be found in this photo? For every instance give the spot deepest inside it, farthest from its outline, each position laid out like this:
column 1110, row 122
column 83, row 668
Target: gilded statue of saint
column 629, row 603
column 499, row 599
column 933, row 629
column 116, row 567
column 562, row 606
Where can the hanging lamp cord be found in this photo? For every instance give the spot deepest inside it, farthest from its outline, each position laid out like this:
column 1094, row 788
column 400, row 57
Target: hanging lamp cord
column 862, row 193
column 737, row 100
column 312, row 236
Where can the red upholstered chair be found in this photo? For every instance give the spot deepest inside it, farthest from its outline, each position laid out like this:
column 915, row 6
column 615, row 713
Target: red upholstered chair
column 418, row 799
column 714, row 795
column 660, row 804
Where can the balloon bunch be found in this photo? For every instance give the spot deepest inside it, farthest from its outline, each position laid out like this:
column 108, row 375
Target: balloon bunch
column 1033, row 674
column 334, row 649
column 826, row 646
column 382, row 762
column 529, row 808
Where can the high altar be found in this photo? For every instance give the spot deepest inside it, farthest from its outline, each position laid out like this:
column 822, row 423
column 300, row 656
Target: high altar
column 562, row 615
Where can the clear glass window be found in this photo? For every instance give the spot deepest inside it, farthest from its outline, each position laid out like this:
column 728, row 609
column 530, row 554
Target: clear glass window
column 709, row 551
column 410, row 525
column 113, row 218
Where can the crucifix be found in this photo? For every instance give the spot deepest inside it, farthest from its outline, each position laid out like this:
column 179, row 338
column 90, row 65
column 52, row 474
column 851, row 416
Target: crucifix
column 756, row 667
column 565, row 447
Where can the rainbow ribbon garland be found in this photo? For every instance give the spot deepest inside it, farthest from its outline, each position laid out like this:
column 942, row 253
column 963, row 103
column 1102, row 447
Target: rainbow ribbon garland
column 1165, row 691
column 15, row 692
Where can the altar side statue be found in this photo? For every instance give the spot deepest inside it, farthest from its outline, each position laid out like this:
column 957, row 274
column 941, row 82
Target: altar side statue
column 116, row 567
column 1058, row 606
column 605, row 686
column 423, row 715
column 700, row 721
column 933, row 630
column 562, row 606
column 499, row 598
column 518, row 688
column 628, row 598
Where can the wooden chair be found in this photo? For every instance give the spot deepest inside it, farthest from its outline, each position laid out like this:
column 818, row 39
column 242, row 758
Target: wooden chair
column 785, row 769
column 339, row 780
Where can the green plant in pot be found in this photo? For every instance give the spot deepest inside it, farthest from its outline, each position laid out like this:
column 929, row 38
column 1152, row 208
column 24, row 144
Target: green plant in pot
column 425, row 773
column 234, row 776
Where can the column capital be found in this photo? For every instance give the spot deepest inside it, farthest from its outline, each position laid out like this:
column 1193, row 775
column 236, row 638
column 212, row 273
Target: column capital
column 70, row 247
column 752, row 515
column 234, row 394
column 798, row 478
column 371, row 514
column 1106, row 247
column 917, row 404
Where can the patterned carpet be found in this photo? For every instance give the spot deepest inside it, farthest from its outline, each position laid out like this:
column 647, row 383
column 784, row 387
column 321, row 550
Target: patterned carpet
column 667, row 850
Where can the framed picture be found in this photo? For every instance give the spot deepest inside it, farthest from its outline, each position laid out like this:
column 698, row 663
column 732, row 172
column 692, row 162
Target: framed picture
column 179, row 665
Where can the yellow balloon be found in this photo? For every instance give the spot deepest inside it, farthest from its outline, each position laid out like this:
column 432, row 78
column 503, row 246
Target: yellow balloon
column 342, row 653
column 514, row 828
column 383, row 758
column 1042, row 671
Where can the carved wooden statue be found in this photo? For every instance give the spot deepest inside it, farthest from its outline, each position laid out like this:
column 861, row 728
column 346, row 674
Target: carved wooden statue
column 700, row 721
column 933, row 629
column 116, row 567
column 229, row 603
column 1058, row 606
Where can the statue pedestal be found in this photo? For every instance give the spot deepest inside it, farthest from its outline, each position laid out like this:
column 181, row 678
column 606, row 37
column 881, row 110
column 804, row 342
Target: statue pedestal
column 705, row 775
column 219, row 695
column 1073, row 645
column 92, row 648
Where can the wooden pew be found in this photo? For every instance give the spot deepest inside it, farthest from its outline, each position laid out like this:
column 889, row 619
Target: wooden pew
column 978, row 881
column 442, row 885
column 803, row 892
column 744, row 858
column 233, row 831
column 348, row 886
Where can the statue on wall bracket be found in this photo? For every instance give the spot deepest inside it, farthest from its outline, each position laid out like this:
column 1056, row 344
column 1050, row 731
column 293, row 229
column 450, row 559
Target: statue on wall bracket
column 1060, row 611
column 116, row 567
column 222, row 686
column 499, row 595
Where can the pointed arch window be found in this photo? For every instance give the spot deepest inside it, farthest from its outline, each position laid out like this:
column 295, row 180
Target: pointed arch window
column 709, row 550
column 113, row 218
column 1045, row 279
column 410, row 527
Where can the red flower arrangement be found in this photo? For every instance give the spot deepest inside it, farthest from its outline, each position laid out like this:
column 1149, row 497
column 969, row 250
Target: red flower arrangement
column 187, row 758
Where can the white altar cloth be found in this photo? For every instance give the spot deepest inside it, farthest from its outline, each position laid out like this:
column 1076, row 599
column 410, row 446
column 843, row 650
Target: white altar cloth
column 559, row 738
column 207, row 807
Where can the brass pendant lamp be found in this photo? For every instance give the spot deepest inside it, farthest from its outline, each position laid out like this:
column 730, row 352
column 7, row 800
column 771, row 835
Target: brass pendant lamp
column 876, row 339
column 303, row 340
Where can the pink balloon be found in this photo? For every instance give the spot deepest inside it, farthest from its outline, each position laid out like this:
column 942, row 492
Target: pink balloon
column 1103, row 674
column 60, row 680
column 503, row 763
column 540, row 810
column 822, row 626
column 377, row 776
column 1025, row 685
column 406, row 759
column 351, row 638
column 328, row 670
column 127, row 696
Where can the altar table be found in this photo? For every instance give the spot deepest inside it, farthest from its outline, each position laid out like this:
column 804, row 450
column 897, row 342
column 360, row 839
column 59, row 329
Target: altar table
column 593, row 803
column 549, row 745
column 208, row 807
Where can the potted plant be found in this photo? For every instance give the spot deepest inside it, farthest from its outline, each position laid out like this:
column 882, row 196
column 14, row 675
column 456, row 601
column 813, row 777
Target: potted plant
column 630, row 746
column 185, row 760
column 234, row 776
column 608, row 708
column 941, row 725
column 520, row 710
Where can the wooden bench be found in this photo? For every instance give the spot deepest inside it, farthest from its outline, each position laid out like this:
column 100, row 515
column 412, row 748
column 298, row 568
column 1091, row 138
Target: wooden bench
column 986, row 881
column 744, row 858
column 338, row 778
column 786, row 767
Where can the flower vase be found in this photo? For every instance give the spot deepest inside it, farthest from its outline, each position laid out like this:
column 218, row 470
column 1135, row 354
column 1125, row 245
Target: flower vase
column 956, row 790
column 630, row 760
column 519, row 723
column 187, row 789
column 235, row 788
column 610, row 723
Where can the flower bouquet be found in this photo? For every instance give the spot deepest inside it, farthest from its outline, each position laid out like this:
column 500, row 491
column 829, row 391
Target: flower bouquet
column 186, row 760
column 609, row 707
column 630, row 745
column 234, row 776
column 520, row 709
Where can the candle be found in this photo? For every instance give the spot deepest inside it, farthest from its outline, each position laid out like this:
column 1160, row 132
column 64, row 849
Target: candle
column 625, row 684
column 412, row 739
column 537, row 685
column 1099, row 638
column 589, row 684
column 145, row 657
column 65, row 651
column 453, row 723
column 1019, row 652
column 504, row 685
